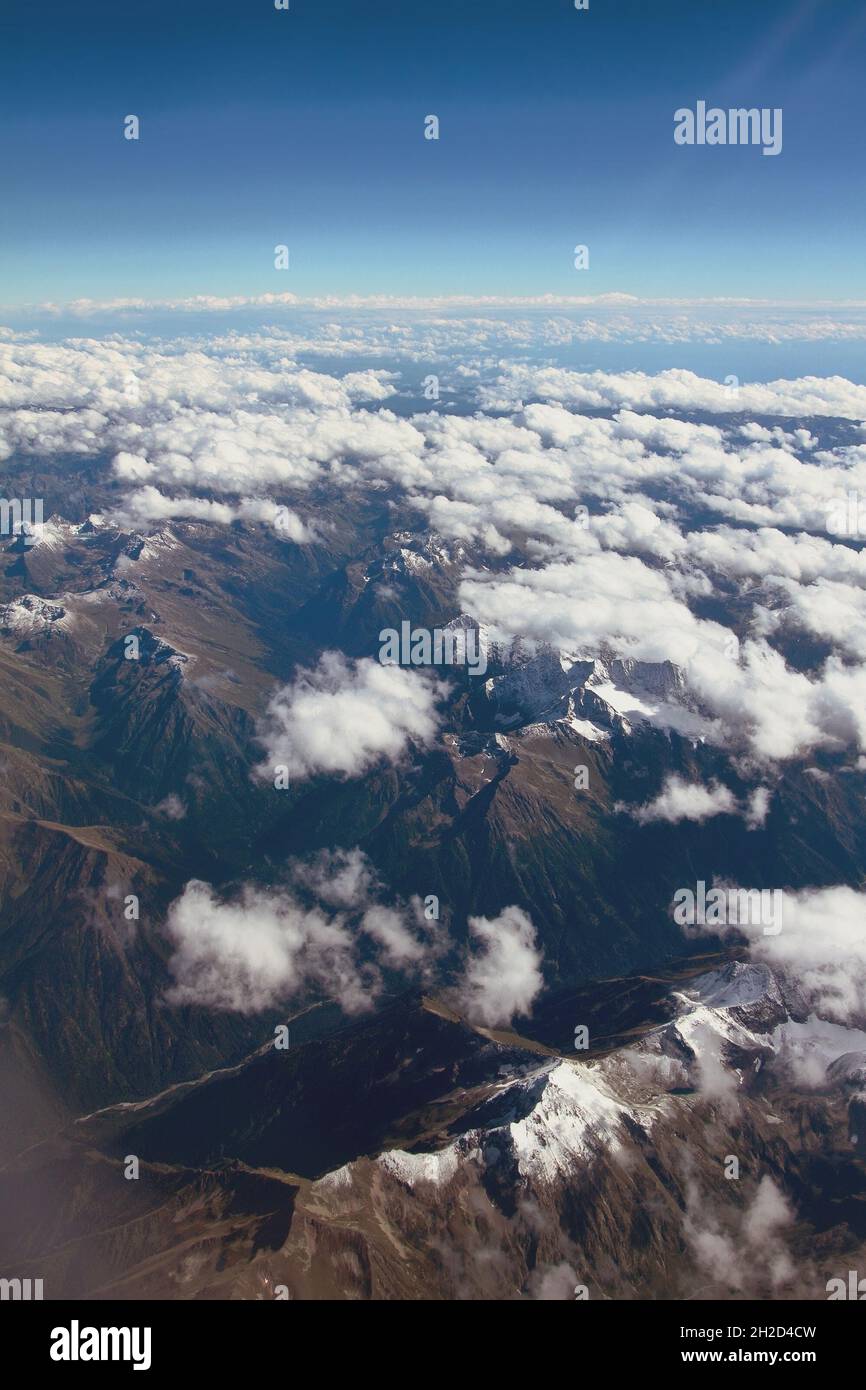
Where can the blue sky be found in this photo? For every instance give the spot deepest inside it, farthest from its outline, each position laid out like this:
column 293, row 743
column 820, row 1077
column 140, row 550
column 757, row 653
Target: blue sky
column 305, row 127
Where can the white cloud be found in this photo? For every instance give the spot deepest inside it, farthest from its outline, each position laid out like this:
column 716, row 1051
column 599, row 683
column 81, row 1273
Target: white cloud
column 615, row 316
column 594, row 513
column 744, row 1251
column 147, row 507
column 675, row 389
column 597, row 598
column 502, row 977
column 248, row 954
column 757, row 807
column 341, row 878
column 679, row 800
column 821, row 946
column 342, row 718
column 717, row 1082
column 386, row 926
column 751, row 698
column 325, row 931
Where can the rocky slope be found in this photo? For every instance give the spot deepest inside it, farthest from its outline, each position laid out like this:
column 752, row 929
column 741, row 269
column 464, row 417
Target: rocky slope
column 134, row 776
column 408, row 1154
column 412, row 1156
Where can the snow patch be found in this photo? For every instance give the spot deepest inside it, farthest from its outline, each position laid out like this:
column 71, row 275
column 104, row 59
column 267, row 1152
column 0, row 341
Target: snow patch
column 31, row 614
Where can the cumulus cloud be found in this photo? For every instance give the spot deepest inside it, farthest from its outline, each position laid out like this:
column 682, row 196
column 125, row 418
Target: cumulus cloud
column 387, row 927
column 679, row 800
column 821, row 946
column 245, row 955
column 602, row 598
column 757, row 807
column 342, row 718
column 502, row 977
column 677, row 389
column 341, row 878
column 324, row 931
column 743, row 1251
column 580, row 526
column 498, row 321
column 750, row 697
column 146, row 507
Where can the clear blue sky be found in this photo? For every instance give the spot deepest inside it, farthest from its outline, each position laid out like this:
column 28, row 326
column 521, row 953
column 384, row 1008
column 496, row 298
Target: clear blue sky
column 306, row 127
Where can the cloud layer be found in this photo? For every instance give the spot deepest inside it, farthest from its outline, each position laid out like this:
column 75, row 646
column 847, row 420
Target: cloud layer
column 594, row 508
